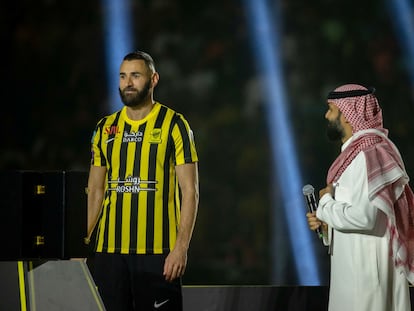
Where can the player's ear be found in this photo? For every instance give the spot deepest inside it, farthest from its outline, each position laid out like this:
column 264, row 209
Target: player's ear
column 154, row 79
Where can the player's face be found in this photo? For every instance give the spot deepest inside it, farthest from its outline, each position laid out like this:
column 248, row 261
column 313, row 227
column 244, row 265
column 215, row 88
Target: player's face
column 335, row 130
column 135, row 83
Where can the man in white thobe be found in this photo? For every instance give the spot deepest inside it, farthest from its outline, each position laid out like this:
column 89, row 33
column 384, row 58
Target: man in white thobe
column 366, row 211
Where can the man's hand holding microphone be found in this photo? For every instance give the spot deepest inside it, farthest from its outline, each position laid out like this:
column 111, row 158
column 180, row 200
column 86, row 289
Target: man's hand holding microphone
column 314, row 223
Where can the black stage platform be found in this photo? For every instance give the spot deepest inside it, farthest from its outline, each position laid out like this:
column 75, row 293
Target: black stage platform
column 67, row 285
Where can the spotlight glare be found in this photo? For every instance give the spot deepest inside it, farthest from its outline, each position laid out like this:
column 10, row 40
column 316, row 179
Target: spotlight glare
column 118, row 42
column 266, row 46
column 403, row 19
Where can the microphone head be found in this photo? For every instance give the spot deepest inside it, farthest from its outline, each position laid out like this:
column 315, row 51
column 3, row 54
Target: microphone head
column 308, row 189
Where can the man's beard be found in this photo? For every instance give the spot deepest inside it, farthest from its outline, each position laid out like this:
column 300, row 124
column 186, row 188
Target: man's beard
column 137, row 99
column 334, row 130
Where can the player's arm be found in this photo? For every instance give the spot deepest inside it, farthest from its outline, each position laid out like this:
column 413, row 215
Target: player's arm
column 176, row 261
column 188, row 180
column 96, row 189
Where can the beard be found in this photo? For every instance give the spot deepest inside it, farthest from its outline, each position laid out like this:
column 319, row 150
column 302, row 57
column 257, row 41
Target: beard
column 137, row 99
column 334, row 130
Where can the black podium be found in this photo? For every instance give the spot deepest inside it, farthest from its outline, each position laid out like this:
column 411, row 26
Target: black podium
column 43, row 221
column 42, row 214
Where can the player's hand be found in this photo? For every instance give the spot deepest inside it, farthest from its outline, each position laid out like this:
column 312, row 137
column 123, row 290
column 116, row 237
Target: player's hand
column 175, row 264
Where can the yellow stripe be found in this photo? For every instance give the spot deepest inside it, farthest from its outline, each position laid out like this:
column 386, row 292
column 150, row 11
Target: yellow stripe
column 159, row 197
column 22, row 286
column 30, row 276
column 126, row 223
column 91, row 286
column 102, row 229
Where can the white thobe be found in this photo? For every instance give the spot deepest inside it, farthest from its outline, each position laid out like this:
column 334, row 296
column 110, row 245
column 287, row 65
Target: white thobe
column 363, row 276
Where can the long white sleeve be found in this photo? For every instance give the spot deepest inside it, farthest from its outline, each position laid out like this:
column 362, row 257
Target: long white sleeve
column 350, row 210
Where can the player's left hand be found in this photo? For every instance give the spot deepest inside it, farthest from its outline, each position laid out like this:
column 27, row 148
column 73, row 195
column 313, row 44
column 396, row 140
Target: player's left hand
column 175, row 264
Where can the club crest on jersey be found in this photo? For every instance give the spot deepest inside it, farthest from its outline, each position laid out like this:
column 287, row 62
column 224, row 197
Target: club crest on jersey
column 132, row 137
column 155, row 136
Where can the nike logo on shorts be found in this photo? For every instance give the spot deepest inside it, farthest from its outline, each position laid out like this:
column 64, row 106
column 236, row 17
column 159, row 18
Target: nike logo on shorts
column 159, row 304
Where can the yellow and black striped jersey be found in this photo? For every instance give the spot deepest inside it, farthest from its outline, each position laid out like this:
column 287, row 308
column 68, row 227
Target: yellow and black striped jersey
column 141, row 207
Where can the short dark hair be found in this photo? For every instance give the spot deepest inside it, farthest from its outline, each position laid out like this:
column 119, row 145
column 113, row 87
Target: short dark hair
column 136, row 55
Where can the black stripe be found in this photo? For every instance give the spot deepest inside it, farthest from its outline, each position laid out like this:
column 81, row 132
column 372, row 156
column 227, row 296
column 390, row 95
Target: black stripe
column 186, row 139
column 123, row 159
column 109, row 173
column 105, row 237
column 351, row 93
column 101, row 127
column 134, row 202
column 166, row 221
column 152, row 162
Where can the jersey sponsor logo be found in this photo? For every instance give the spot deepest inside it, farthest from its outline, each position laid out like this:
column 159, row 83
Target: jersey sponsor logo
column 159, row 304
column 132, row 137
column 112, row 130
column 131, row 184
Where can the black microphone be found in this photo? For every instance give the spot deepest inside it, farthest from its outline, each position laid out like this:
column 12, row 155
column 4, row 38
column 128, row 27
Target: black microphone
column 309, row 193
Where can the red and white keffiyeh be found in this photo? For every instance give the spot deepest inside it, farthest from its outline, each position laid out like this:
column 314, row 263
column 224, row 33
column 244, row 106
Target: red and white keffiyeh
column 387, row 179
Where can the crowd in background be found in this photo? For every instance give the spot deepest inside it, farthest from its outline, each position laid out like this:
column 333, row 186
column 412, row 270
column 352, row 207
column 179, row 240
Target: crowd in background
column 54, row 76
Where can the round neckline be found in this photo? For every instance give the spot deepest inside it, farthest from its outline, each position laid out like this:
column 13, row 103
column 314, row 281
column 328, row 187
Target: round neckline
column 143, row 120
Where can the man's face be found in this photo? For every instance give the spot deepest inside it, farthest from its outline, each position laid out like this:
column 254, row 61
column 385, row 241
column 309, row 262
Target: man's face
column 335, row 130
column 135, row 83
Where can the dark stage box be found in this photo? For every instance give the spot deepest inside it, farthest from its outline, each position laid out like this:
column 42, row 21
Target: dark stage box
column 43, row 214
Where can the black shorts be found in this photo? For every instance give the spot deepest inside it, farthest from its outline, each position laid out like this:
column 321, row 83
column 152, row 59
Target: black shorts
column 134, row 282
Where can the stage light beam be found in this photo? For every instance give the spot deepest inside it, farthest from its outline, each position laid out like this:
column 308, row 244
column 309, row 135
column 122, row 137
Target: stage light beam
column 402, row 16
column 267, row 50
column 119, row 39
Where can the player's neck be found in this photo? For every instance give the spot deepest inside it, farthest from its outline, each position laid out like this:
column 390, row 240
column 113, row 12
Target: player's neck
column 140, row 112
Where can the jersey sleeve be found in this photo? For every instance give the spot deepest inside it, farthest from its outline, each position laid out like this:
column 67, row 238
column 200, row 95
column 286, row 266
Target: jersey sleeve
column 184, row 144
column 97, row 155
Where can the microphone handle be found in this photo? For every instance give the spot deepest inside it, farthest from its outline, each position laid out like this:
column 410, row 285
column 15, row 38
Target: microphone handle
column 318, row 231
column 312, row 208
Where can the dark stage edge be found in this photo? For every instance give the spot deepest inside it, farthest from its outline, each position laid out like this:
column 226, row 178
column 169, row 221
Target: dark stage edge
column 67, row 285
